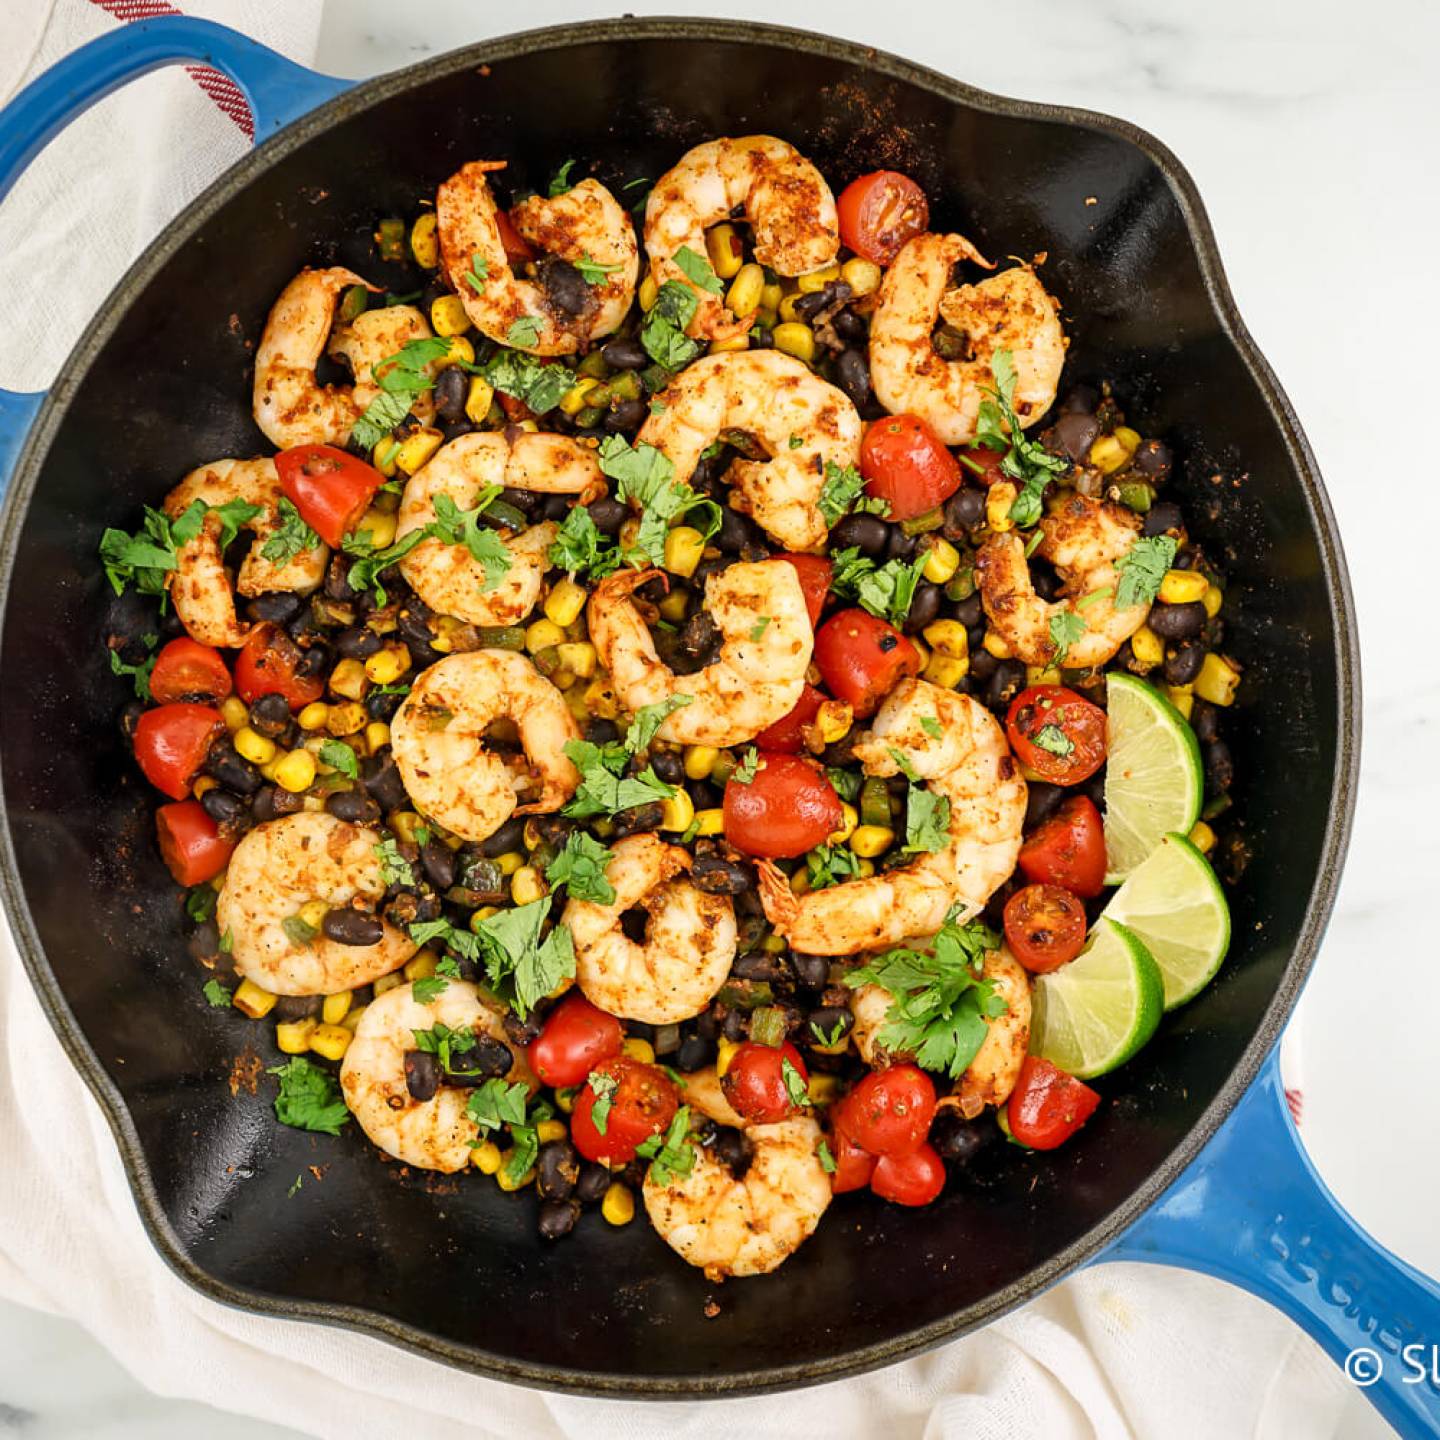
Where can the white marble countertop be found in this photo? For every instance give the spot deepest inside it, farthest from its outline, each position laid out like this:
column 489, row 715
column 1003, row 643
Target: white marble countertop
column 1309, row 128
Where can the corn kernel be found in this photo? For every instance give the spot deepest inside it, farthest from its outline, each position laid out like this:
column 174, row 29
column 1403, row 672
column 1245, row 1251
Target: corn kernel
column 727, row 255
column 1129, row 438
column 421, row 966
column 388, row 982
column 947, row 671
column 526, row 885
column 461, row 351
column 872, row 840
column 1149, row 648
column 849, row 819
column 600, row 699
column 378, row 527
column 922, row 650
column 1108, row 454
column 618, row 1206
column 578, row 657
column 862, row 276
column 346, row 719
column 478, row 917
column 996, row 646
column 677, row 811
column 743, row 296
column 293, row 1036
column 377, row 736
column 405, row 824
column 251, row 1000
column 833, row 720
column 505, row 1180
column 795, row 338
column 729, row 345
column 233, row 712
column 314, row 716
column 1182, row 697
column 823, row 1089
column 800, row 881
column 710, row 822
column 1180, row 587
column 817, row 280
column 684, row 547
column 941, row 561
column 564, row 603
column 336, row 1007
column 423, row 243
column 331, row 1041
column 573, row 400
column 542, row 635
column 948, row 637
column 348, row 679
column 268, row 771
column 352, row 1020
column 638, row 1049
column 202, row 784
column 674, row 605
column 486, row 1157
column 478, row 399
column 1041, row 675
column 1212, row 600
column 386, row 666
column 382, row 457
column 698, row 760
column 565, row 1098
column 1217, row 680
column 416, row 448
column 1202, row 837
column 649, row 293
column 448, row 317
column 997, row 506
column 296, row 772
column 770, row 298
column 313, row 913
column 548, row 1130
column 724, row 1054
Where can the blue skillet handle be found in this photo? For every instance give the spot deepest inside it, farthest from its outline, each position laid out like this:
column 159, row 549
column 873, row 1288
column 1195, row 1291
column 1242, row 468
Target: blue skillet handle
column 1251, row 1209
column 278, row 91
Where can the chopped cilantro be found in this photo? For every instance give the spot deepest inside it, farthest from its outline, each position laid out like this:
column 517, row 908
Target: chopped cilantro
column 518, row 961
column 1142, row 568
column 698, row 270
column 931, row 726
column 886, row 591
column 826, row 1159
column 139, row 674
column 524, row 333
column 309, row 1097
column 455, row 526
column 581, row 546
column 828, row 865
column 339, row 756
column 795, row 1087
column 560, row 181
column 1054, row 739
column 402, row 379
column 663, row 331
column 830, row 1041
column 290, row 536
column 394, row 867
column 496, row 1103
column 844, row 492
column 580, row 867
column 748, row 767
column 927, row 821
column 200, row 903
column 217, row 994
column 539, row 385
column 604, row 789
column 478, row 273
column 648, row 720
column 592, row 272
column 759, row 627
column 1066, row 627
column 645, row 477
column 603, row 1087
column 675, row 1155
column 429, row 988
column 1026, row 461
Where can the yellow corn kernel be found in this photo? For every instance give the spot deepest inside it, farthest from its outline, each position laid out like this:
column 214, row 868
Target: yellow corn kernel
column 1217, row 680
column 795, row 338
column 379, row 527
column 578, row 657
column 421, row 966
column 203, row 783
column 377, row 736
column 770, row 298
column 1149, row 648
column 677, row 811
column 565, row 1098
column 448, row 317
column 268, row 771
column 1041, row 675
column 618, row 1206
column 638, row 1049
column 871, row 841
column 423, row 244
column 250, row 999
column 948, row 637
column 649, row 292
column 352, row 1020
column 296, row 772
column 684, row 547
column 416, row 448
column 774, row 944
column 1108, row 454
column 478, row 399
column 743, row 296
column 348, row 679
column 386, row 666
column 346, row 719
column 573, row 400
column 331, row 1041
column 922, row 650
column 1180, row 587
column 700, row 760
column 313, row 913
column 800, row 882
column 823, row 1089
column 253, row 746
column 947, row 670
column 728, row 345
column 314, row 716
column 405, row 823
column 997, row 506
column 862, row 276
column 388, row 982
column 833, row 720
column 710, row 822
column 727, row 255
column 941, row 561
column 674, row 605
column 505, row 1180
column 724, row 1054
column 817, row 280
column 486, row 1157
column 336, row 1007
column 849, row 819
column 996, row 646
column 382, row 457
column 548, row 1130
column 233, row 712
column 460, row 351
column 1202, row 837
column 600, row 699
column 542, row 634
column 1182, row 697
column 564, row 603
column 1129, row 438
column 293, row 1036
column 526, row 885
column 479, row 916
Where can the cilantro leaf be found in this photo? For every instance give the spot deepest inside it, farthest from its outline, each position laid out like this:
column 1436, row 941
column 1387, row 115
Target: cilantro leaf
column 394, row 867
column 200, row 903
column 217, row 994
column 339, row 756
column 581, row 546
column 826, row 1159
column 675, row 1154
column 580, row 867
column 309, row 1097
column 645, row 477
column 524, row 333
column 844, row 492
column 445, row 1044
column 998, row 428
column 795, row 1087
column 830, row 1041
column 402, row 379
column 603, row 789
column 927, row 821
column 538, row 385
column 663, row 331
column 146, row 558
column 1066, row 627
column 748, row 767
column 592, row 272
column 698, row 270
column 370, row 562
column 478, row 273
column 290, row 536
column 516, row 958
column 429, row 988
column 1052, row 738
column 455, row 526
column 828, row 865
column 886, row 591
column 496, row 1103
column 1142, row 568
column 931, row 726
column 758, row 629
column 603, row 1087
column 139, row 674
column 648, row 720
column 560, row 181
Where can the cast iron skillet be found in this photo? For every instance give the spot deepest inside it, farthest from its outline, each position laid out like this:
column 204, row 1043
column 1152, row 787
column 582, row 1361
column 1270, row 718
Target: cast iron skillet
column 161, row 383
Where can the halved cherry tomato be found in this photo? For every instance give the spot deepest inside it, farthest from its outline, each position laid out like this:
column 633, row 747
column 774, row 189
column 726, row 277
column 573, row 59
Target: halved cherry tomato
column 853, row 1165
column 914, row 1178
column 889, row 1111
column 1060, row 735
column 1044, row 927
column 861, row 658
column 814, row 572
column 906, row 465
column 188, row 670
column 190, row 842
column 984, row 464
column 643, row 1104
column 171, row 742
column 575, row 1038
column 516, row 246
column 879, row 212
column 784, row 737
column 787, row 809
column 266, row 666
column 1047, row 1106
column 754, row 1081
column 330, row 488
column 1068, row 849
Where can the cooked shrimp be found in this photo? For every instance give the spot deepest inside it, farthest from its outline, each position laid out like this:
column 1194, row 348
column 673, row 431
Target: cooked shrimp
column 702, row 1092
column 281, row 866
column 374, row 336
column 1082, row 538
column 199, row 585
column 438, row 741
column 1009, row 311
column 746, row 1226
column 765, row 648
column 870, row 1005
column 448, row 578
column 970, row 765
column 558, row 312
column 803, row 423
column 434, row 1134
column 689, row 942
column 780, row 193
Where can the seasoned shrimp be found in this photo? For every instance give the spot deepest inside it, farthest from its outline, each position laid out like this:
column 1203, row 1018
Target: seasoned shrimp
column 1082, row 538
column 434, row 1134
column 1010, row 311
column 803, row 423
column 971, row 767
column 746, row 1226
column 374, row 336
column 558, row 312
column 448, row 578
column 199, row 585
column 438, row 741
column 765, row 648
column 689, row 940
column 780, row 193
column 283, row 865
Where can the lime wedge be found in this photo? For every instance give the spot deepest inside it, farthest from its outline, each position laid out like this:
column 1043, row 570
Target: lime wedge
column 1093, row 1014
column 1174, row 903
column 1153, row 779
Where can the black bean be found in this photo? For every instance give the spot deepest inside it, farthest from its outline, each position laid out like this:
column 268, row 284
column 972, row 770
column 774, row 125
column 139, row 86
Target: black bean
column 271, row 802
column 382, row 780
column 1047, row 583
column 452, row 385
column 564, row 285
column 1219, row 767
column 609, row 515
column 279, row 607
column 1076, row 432
column 700, row 636
column 718, row 876
column 958, row 1139
column 508, row 838
column 314, row 662
column 556, row 508
column 521, row 1032
column 695, row 1051
column 594, row 1181
column 600, row 731
column 852, row 375
column 1178, row 622
column 557, row 1168
column 358, row 642
column 348, row 926
column 813, row 971
column 128, row 619
column 868, row 533
column 270, row 715
column 355, row 807
column 626, row 415
column 824, row 1022
column 422, row 1074
column 899, row 545
column 226, row 766
column 964, row 510
column 1082, row 397
column 380, row 706
column 490, row 1057
column 924, row 607
column 337, row 580
column 557, row 1218
column 224, row 807
column 1042, row 800
column 969, row 611
column 950, row 343
column 668, row 765
column 1205, row 721
column 438, row 863
column 1163, row 517
column 297, row 1007
column 638, row 818
column 129, row 717
column 412, row 624
column 1183, row 666
column 975, row 638
column 1154, row 459
column 759, row 965
column 849, row 326
column 735, row 531
column 1005, row 684
column 623, row 353
column 732, row 1150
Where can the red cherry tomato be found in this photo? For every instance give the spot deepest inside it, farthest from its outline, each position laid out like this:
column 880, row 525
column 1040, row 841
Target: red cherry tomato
column 914, row 1178
column 1044, row 927
column 785, row 736
column 787, row 809
column 1047, row 1106
column 575, row 1038
column 1060, row 735
column 905, row 464
column 330, row 488
column 1068, row 849
column 266, row 666
column 814, row 572
column 643, row 1104
column 188, row 670
column 171, row 743
column 983, row 464
column 889, row 1111
column 879, row 212
column 754, row 1081
column 516, row 246
column 853, row 1165
column 861, row 658
column 190, row 842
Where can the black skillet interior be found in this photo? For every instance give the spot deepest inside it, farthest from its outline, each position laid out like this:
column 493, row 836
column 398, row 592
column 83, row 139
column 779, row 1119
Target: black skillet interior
column 457, row 1268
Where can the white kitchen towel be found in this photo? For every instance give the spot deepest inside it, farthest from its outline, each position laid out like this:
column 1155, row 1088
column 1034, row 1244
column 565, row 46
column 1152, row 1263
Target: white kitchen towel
column 1116, row 1351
